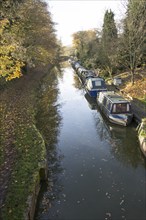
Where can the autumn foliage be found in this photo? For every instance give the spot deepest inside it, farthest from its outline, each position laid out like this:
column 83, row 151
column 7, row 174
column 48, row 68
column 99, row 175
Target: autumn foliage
column 26, row 41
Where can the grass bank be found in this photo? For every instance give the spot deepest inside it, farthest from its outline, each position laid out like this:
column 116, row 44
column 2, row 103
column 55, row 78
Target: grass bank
column 137, row 90
column 22, row 144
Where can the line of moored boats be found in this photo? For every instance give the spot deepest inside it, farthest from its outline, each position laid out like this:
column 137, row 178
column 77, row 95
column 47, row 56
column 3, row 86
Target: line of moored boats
column 115, row 107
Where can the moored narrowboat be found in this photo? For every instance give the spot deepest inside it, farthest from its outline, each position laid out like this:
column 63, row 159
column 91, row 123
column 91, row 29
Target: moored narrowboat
column 80, row 71
column 94, row 85
column 116, row 108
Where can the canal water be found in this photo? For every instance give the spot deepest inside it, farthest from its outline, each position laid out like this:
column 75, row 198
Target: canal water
column 98, row 171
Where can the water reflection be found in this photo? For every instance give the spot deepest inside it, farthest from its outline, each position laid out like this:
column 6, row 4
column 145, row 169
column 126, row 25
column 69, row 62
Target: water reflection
column 123, row 141
column 91, row 101
column 49, row 123
column 77, row 83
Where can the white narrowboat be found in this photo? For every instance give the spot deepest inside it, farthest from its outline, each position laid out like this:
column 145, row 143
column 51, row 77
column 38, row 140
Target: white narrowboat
column 116, row 108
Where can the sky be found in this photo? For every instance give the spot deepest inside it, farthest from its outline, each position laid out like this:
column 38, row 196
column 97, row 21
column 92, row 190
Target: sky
column 78, row 15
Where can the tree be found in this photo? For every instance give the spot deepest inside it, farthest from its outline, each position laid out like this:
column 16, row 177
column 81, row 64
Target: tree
column 38, row 32
column 26, row 40
column 85, row 46
column 10, row 47
column 109, row 42
column 109, row 30
column 133, row 39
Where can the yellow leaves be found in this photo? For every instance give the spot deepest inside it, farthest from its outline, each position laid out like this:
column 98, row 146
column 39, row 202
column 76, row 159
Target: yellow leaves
column 10, row 61
column 16, row 71
column 7, row 49
column 9, row 68
column 3, row 24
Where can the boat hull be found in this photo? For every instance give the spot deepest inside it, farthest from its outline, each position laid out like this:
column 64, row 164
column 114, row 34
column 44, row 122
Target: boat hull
column 123, row 120
column 93, row 93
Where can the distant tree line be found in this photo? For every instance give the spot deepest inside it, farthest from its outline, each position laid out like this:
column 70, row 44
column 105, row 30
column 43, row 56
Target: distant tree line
column 110, row 51
column 27, row 37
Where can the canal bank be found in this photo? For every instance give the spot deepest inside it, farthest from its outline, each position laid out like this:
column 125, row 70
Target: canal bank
column 97, row 169
column 23, row 148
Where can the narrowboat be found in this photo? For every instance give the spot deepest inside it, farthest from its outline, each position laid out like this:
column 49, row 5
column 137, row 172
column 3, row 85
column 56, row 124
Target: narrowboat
column 80, row 71
column 116, row 108
column 87, row 74
column 142, row 135
column 94, row 85
column 76, row 65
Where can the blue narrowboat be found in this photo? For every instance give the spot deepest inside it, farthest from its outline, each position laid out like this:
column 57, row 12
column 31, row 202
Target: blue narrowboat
column 94, row 85
column 116, row 108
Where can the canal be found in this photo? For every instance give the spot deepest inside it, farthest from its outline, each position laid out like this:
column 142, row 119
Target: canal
column 96, row 169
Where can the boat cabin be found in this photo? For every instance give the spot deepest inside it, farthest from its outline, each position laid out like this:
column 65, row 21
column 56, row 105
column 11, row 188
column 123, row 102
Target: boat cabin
column 115, row 107
column 81, row 70
column 95, row 85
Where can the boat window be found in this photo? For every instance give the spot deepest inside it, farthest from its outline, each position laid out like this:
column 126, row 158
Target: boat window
column 114, row 108
column 109, row 106
column 121, row 108
column 97, row 83
column 128, row 107
column 89, row 84
column 104, row 101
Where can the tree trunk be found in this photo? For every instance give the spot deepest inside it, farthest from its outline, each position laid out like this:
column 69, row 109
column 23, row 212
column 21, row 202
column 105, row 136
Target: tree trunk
column 132, row 76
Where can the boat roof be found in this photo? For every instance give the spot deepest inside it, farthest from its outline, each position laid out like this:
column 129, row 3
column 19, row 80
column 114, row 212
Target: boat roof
column 114, row 97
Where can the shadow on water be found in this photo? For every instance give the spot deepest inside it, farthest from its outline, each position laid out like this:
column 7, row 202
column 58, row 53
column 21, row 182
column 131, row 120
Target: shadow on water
column 49, row 124
column 77, row 83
